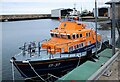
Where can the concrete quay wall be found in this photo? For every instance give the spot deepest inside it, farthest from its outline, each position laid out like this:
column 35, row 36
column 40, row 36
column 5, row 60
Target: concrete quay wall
column 23, row 17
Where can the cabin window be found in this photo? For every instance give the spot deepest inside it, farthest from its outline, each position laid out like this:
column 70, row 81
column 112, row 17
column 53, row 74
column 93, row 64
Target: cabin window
column 68, row 36
column 80, row 35
column 87, row 34
column 82, row 44
column 64, row 36
column 77, row 46
column 73, row 36
column 77, row 36
column 52, row 35
column 55, row 35
column 89, row 42
column 79, row 24
column 71, row 48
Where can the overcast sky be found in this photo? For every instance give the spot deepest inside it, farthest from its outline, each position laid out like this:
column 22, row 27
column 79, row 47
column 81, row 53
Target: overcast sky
column 45, row 6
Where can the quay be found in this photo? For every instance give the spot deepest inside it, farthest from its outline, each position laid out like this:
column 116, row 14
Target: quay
column 90, row 70
column 5, row 18
column 17, row 17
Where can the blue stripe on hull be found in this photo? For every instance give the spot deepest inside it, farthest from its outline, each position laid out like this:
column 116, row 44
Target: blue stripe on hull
column 79, row 50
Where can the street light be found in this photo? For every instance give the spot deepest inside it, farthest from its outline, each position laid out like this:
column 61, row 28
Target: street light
column 96, row 23
column 113, row 27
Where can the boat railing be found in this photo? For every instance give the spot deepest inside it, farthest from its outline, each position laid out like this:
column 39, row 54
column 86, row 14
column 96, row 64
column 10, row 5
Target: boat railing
column 35, row 48
column 32, row 46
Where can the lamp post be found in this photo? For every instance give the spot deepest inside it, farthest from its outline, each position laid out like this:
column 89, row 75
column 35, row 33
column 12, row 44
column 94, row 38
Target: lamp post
column 113, row 27
column 96, row 23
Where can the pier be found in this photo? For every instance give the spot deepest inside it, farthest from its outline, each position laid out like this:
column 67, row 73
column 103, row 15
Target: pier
column 90, row 71
column 16, row 17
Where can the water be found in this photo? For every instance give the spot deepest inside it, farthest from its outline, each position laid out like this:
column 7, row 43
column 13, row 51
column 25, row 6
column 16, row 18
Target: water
column 14, row 34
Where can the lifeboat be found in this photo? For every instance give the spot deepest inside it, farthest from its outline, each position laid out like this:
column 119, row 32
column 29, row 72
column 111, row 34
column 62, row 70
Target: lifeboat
column 69, row 45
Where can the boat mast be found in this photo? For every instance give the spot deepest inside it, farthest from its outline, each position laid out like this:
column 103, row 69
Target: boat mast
column 96, row 23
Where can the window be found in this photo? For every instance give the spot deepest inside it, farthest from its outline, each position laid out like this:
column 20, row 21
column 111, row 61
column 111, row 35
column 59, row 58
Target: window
column 77, row 36
column 77, row 46
column 64, row 36
column 52, row 35
column 68, row 36
column 82, row 44
column 71, row 48
column 87, row 34
column 80, row 35
column 73, row 36
column 89, row 42
column 55, row 35
column 58, row 35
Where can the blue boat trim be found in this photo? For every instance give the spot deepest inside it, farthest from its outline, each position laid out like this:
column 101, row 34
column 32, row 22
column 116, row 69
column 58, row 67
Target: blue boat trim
column 84, row 49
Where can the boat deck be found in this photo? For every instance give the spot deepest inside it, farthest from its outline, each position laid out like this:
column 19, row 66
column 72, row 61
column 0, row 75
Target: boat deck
column 84, row 71
column 44, row 56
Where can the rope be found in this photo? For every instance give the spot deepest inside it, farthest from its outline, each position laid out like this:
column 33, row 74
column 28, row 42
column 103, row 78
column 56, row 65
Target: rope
column 19, row 69
column 36, row 72
column 105, row 44
column 78, row 62
column 13, row 74
column 53, row 75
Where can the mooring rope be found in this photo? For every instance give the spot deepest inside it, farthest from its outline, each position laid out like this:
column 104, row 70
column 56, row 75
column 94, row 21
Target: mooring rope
column 78, row 62
column 36, row 72
column 53, row 75
column 19, row 69
column 13, row 74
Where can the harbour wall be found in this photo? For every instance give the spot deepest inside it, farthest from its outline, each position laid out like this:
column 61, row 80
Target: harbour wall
column 4, row 18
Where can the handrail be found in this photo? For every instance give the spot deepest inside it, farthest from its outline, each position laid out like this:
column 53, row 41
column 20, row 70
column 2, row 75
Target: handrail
column 100, row 71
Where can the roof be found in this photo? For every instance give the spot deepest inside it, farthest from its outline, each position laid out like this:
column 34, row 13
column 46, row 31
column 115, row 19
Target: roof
column 116, row 1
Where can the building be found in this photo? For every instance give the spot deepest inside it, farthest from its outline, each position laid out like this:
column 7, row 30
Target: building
column 117, row 9
column 102, row 12
column 55, row 13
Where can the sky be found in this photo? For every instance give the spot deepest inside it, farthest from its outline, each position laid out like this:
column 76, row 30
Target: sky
column 45, row 6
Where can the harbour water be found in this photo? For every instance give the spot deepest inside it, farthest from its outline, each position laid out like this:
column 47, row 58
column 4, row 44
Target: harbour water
column 14, row 34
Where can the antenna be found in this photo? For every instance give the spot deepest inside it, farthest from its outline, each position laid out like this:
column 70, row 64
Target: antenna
column 75, row 5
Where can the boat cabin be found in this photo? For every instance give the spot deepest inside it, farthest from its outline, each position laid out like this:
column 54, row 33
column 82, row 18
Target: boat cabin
column 68, row 37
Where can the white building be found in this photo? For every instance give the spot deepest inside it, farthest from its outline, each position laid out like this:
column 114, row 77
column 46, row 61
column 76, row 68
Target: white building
column 56, row 12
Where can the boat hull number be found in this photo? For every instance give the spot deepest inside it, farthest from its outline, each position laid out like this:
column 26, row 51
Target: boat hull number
column 54, row 65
